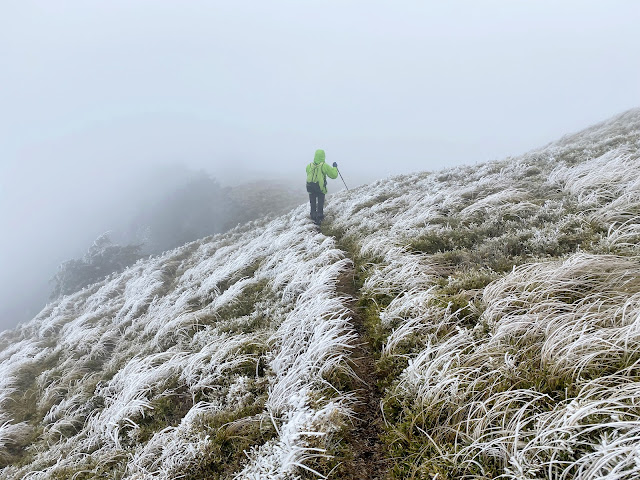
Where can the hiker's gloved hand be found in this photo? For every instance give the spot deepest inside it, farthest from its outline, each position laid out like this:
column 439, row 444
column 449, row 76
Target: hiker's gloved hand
column 335, row 165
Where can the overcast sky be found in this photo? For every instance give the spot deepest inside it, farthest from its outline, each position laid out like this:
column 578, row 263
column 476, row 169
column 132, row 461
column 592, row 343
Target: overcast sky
column 94, row 94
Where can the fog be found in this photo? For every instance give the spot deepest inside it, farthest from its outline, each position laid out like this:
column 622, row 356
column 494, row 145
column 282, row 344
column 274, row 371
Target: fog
column 107, row 105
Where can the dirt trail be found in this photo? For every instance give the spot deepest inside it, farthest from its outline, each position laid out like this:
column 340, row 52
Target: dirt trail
column 363, row 443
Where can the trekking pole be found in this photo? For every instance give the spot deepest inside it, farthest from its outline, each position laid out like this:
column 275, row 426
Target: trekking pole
column 345, row 184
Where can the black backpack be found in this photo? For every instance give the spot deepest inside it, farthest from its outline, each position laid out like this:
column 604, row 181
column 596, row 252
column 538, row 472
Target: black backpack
column 314, row 187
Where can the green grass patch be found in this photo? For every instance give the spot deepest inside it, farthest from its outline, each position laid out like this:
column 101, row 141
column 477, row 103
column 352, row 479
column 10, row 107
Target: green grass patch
column 231, row 434
column 247, row 272
column 245, row 303
column 113, row 468
column 166, row 411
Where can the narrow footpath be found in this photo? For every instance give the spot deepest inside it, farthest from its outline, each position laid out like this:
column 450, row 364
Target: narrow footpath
column 366, row 451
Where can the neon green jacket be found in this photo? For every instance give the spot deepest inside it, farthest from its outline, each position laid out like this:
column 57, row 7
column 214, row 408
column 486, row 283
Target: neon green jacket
column 317, row 171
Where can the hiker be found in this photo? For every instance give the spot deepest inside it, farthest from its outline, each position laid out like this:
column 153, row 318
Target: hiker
column 317, row 172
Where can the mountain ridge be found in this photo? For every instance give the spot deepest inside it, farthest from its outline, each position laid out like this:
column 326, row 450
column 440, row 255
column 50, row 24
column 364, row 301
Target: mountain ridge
column 480, row 293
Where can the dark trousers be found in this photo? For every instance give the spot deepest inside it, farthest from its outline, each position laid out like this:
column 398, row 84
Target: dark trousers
column 317, row 205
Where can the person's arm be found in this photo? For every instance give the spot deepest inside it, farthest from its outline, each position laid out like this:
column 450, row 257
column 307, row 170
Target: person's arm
column 331, row 172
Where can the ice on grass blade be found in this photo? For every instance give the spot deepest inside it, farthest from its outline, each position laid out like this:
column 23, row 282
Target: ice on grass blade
column 298, row 434
column 12, row 435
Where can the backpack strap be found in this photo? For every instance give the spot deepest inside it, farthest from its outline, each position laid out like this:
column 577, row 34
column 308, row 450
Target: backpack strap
column 324, row 176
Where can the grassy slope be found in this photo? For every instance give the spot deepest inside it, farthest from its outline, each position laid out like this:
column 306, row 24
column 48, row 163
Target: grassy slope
column 183, row 363
column 230, row 356
column 505, row 302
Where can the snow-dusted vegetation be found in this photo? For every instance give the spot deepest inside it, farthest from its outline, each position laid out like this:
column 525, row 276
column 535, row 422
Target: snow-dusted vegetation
column 182, row 363
column 507, row 299
column 501, row 303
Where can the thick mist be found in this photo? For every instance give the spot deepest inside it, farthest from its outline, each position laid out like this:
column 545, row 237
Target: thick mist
column 156, row 208
column 108, row 107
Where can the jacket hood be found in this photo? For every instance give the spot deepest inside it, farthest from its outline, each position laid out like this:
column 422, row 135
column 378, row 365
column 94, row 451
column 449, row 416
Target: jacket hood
column 319, row 157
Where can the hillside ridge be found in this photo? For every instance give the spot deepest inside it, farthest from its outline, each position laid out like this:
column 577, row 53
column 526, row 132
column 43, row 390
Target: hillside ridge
column 477, row 322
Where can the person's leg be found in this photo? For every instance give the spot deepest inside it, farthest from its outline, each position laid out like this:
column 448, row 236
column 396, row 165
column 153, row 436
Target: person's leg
column 320, row 210
column 312, row 201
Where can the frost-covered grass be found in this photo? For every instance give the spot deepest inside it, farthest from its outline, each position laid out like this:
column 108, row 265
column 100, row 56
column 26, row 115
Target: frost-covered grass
column 184, row 362
column 501, row 301
column 504, row 298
